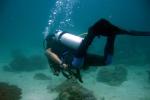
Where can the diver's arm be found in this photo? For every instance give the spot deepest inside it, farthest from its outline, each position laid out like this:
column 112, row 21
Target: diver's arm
column 55, row 58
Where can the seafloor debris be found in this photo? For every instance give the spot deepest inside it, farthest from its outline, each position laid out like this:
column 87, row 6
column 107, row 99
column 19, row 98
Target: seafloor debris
column 41, row 76
column 9, row 92
column 72, row 90
column 114, row 75
column 20, row 62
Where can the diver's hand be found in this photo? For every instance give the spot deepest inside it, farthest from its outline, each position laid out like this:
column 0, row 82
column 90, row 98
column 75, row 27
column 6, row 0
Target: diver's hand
column 64, row 66
column 77, row 62
column 56, row 73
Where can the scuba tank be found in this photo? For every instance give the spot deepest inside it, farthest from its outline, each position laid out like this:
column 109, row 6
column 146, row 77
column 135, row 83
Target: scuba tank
column 68, row 39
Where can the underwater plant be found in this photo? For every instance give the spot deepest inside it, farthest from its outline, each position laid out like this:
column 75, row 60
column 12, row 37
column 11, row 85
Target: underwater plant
column 72, row 90
column 9, row 92
column 113, row 76
column 20, row 62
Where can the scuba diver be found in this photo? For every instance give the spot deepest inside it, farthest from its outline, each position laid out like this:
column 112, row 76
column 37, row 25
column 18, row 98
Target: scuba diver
column 60, row 55
column 60, row 49
column 67, row 53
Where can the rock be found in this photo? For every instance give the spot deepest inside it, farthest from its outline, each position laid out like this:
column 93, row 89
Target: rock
column 113, row 76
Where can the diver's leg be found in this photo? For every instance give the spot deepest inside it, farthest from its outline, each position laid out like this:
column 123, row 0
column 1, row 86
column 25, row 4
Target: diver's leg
column 82, row 50
column 96, row 60
column 101, row 27
column 93, row 60
column 109, row 49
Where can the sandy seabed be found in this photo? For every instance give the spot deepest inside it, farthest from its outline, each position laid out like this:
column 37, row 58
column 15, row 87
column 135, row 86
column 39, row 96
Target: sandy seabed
column 137, row 86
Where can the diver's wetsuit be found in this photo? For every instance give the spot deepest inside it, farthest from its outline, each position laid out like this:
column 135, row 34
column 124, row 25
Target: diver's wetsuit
column 104, row 28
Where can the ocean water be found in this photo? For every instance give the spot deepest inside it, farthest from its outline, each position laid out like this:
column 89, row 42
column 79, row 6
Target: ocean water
column 25, row 23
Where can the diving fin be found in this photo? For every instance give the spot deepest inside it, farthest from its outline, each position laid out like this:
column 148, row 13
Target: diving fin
column 138, row 33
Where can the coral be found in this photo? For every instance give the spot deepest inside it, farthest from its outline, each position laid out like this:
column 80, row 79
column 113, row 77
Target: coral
column 112, row 75
column 41, row 76
column 9, row 92
column 20, row 62
column 72, row 90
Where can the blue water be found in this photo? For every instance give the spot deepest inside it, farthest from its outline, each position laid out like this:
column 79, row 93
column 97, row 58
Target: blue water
column 24, row 23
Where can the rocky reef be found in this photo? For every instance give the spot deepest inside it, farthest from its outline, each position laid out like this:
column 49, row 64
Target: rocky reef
column 72, row 90
column 112, row 75
column 9, row 92
column 20, row 62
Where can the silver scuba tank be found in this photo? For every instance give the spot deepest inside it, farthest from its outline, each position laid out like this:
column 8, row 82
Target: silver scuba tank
column 68, row 39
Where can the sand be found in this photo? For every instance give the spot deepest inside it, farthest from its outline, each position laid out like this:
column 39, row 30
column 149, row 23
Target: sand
column 136, row 87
